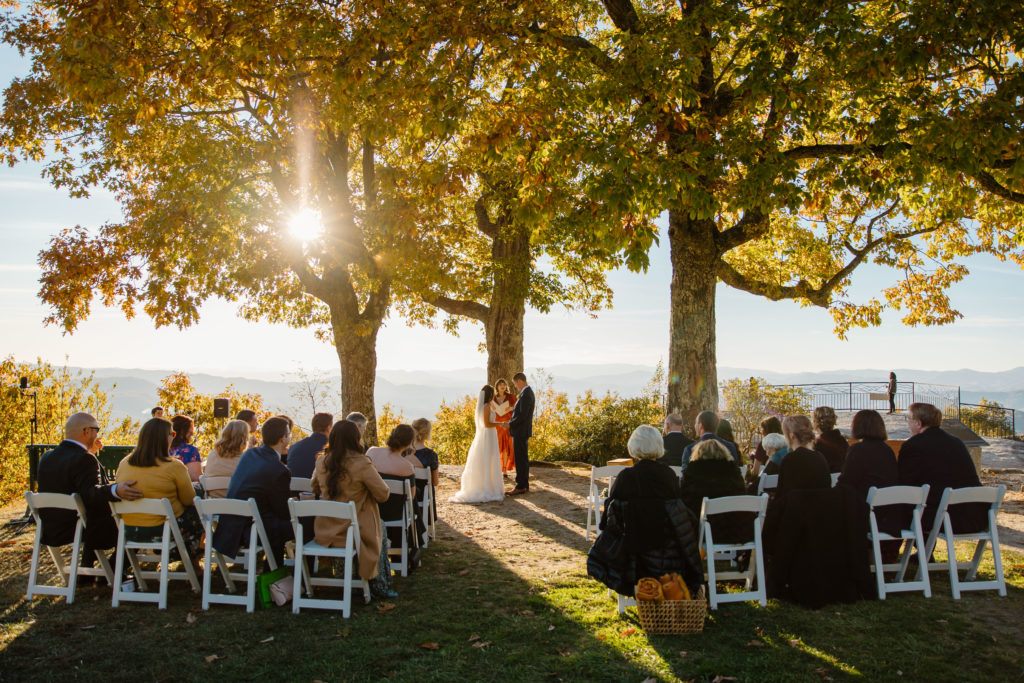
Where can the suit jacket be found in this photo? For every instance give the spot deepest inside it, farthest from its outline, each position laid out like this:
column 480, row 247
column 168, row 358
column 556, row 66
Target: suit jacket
column 260, row 475
column 302, row 455
column 521, row 422
column 941, row 460
column 675, row 443
column 729, row 446
column 69, row 468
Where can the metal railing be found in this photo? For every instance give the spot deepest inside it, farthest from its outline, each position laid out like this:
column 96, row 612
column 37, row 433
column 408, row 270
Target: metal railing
column 853, row 396
column 989, row 420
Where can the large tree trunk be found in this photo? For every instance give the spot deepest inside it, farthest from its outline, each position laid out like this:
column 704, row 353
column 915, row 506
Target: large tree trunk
column 503, row 326
column 357, row 355
column 692, row 372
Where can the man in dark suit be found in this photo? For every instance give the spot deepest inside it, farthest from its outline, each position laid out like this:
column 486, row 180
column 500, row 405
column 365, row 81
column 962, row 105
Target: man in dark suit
column 705, row 425
column 302, row 455
column 520, row 426
column 261, row 475
column 69, row 468
column 675, row 441
column 935, row 457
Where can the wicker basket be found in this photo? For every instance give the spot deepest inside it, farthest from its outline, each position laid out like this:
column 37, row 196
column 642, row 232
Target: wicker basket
column 673, row 616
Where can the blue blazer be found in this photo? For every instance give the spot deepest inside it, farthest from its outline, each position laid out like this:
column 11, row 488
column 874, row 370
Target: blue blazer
column 260, row 475
column 521, row 422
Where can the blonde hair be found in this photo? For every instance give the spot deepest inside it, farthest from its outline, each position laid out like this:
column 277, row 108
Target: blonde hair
column 710, row 449
column 645, row 443
column 421, row 426
column 233, row 439
column 798, row 431
column 824, row 418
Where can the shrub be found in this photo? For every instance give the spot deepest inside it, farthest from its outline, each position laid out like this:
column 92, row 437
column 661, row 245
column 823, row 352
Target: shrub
column 748, row 401
column 988, row 418
column 453, row 429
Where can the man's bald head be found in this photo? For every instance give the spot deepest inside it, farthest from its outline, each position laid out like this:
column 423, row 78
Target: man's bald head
column 81, row 427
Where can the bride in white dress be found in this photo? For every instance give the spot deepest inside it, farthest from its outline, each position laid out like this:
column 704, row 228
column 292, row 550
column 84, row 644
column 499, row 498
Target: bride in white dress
column 481, row 479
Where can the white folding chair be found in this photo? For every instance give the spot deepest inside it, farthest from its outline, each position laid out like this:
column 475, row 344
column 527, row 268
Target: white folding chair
column 422, row 474
column 213, row 484
column 69, row 572
column 755, row 569
column 910, row 538
column 405, row 523
column 301, row 485
column 249, row 557
column 596, row 497
column 767, row 482
column 334, row 510
column 743, row 471
column 159, row 550
column 678, row 470
column 943, row 530
column 835, row 478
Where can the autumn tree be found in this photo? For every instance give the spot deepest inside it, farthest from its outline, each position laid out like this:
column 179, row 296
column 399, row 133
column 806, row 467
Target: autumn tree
column 791, row 143
column 178, row 395
column 218, row 126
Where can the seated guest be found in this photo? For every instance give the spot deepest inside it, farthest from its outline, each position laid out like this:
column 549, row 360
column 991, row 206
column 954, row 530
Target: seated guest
column 724, row 432
column 705, row 426
column 391, row 462
column 70, row 468
column 675, row 441
column 803, row 467
column 712, row 473
column 249, row 418
column 423, row 453
column 157, row 412
column 260, row 474
column 345, row 474
column 646, row 530
column 769, row 425
column 775, row 448
column 159, row 475
column 360, row 421
column 302, row 456
column 182, row 448
column 223, row 459
column 830, row 442
column 934, row 457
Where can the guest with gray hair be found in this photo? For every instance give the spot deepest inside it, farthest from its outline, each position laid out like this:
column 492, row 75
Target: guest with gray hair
column 360, row 421
column 775, row 447
column 648, row 481
column 675, row 441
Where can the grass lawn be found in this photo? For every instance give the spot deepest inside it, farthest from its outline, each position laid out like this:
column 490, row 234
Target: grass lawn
column 489, row 623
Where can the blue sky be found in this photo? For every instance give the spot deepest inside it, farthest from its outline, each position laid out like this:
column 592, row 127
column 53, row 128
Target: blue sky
column 752, row 332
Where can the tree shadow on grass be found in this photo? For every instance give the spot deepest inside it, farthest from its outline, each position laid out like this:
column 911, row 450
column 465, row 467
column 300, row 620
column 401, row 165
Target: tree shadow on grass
column 487, row 624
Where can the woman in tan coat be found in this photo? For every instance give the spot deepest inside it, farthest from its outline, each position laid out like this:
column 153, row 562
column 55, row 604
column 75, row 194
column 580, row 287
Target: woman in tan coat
column 343, row 473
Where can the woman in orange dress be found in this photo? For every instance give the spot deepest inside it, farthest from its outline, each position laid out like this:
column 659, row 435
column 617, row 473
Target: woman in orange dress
column 503, row 403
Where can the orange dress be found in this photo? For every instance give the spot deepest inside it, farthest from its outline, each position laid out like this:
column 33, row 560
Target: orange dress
column 508, row 458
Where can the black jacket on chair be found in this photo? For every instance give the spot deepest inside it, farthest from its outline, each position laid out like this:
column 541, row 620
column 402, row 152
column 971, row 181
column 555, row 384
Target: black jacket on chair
column 941, row 460
column 715, row 479
column 69, row 468
column 872, row 463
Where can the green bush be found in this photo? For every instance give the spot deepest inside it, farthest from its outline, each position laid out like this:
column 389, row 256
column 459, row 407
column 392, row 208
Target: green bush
column 748, row 401
column 989, row 418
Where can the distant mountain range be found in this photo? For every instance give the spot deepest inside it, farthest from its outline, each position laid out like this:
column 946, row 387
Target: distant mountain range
column 419, row 393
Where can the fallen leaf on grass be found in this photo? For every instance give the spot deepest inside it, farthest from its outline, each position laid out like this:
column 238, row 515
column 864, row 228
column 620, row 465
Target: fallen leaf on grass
column 267, row 640
column 390, row 674
column 683, row 654
column 386, row 606
column 191, row 618
column 822, row 672
column 430, row 645
column 551, row 628
column 463, row 572
column 794, row 643
column 941, row 621
column 474, row 637
column 650, row 680
column 212, row 658
column 344, row 632
column 627, row 632
column 482, row 643
column 527, row 613
column 755, row 643
column 89, row 627
column 722, row 679
column 563, row 653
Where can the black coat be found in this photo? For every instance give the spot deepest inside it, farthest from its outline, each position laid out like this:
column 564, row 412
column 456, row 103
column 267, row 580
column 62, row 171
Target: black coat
column 69, row 468
column 260, row 475
column 520, row 423
column 715, row 479
column 675, row 443
column 941, row 460
column 833, row 445
column 803, row 468
column 613, row 563
column 872, row 463
column 646, row 484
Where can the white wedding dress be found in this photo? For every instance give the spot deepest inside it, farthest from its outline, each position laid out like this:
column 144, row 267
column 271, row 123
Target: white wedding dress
column 482, row 481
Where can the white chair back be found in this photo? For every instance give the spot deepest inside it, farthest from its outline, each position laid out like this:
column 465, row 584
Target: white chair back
column 596, row 497
column 755, row 568
column 835, row 478
column 942, row 529
column 423, row 474
column 70, row 571
column 300, row 509
column 301, row 485
column 405, row 523
column 213, row 484
column 910, row 538
column 767, row 482
column 209, row 511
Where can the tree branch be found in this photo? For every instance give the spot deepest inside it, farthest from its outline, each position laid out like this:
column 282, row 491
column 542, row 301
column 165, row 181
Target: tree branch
column 801, row 290
column 623, row 15
column 842, row 150
column 594, row 54
column 753, row 224
column 990, row 184
column 467, row 309
column 483, row 221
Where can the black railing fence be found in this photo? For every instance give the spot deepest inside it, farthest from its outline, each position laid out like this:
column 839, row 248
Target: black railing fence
column 989, row 420
column 853, row 396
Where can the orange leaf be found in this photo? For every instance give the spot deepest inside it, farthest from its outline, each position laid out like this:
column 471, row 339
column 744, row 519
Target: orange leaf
column 474, row 637
column 386, row 606
column 627, row 632
column 429, row 645
column 755, row 643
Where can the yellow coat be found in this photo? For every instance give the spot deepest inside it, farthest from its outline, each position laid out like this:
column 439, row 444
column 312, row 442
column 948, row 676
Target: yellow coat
column 363, row 486
column 169, row 479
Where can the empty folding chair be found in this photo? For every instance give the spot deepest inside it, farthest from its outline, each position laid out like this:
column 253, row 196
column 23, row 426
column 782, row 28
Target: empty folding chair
column 161, row 549
column 213, row 484
column 943, row 530
column 406, row 522
column 424, row 479
column 911, row 538
column 596, row 494
column 767, row 482
column 835, row 478
column 249, row 557
column 301, row 485
column 755, row 569
column 69, row 572
column 303, row 548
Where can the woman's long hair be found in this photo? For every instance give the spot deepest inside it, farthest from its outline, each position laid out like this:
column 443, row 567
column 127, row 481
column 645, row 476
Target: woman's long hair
column 233, row 439
column 182, row 426
column 344, row 438
column 153, row 444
